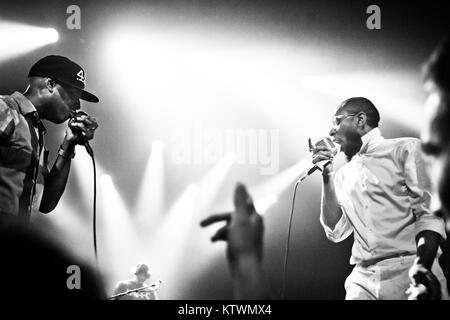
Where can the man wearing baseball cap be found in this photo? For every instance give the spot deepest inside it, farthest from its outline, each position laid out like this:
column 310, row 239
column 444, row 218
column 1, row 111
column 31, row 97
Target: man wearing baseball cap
column 135, row 288
column 55, row 86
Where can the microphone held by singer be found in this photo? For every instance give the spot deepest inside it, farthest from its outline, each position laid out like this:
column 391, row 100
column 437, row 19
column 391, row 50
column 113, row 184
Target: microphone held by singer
column 83, row 127
column 324, row 150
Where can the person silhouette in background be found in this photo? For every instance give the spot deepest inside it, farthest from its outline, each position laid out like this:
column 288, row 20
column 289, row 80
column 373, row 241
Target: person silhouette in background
column 435, row 138
column 243, row 232
column 128, row 287
column 35, row 267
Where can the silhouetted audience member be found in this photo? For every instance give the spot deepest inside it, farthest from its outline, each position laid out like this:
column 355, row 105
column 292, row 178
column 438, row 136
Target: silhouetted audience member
column 34, row 268
column 243, row 232
column 436, row 132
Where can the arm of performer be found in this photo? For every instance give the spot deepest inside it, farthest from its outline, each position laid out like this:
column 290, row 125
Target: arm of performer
column 424, row 284
column 331, row 211
column 243, row 232
column 56, row 181
column 120, row 288
column 429, row 225
column 427, row 246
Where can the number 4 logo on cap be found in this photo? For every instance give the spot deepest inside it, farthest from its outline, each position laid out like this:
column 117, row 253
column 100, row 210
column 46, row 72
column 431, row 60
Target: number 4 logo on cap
column 81, row 77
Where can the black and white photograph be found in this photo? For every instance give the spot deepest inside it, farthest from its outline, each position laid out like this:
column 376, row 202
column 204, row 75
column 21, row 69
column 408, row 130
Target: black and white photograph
column 230, row 156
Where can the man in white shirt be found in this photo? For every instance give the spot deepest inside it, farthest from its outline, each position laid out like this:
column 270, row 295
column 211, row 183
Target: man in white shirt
column 381, row 195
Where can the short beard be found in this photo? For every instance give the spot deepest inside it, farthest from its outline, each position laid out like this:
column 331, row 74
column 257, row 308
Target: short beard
column 353, row 144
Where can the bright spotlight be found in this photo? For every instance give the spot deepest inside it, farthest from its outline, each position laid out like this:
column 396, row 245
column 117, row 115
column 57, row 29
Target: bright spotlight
column 20, row 38
column 53, row 35
column 202, row 66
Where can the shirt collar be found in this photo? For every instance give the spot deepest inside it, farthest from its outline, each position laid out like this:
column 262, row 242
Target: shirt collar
column 28, row 109
column 25, row 105
column 370, row 140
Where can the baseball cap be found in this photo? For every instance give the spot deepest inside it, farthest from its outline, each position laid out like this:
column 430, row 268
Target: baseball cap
column 65, row 71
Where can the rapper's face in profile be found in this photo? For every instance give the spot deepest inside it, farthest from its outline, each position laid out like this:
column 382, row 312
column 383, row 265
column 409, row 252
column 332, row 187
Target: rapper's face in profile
column 65, row 100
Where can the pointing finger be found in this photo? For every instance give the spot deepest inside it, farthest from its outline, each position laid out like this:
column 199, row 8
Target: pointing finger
column 215, row 218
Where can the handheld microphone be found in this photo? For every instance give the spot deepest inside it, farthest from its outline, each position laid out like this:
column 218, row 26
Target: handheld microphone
column 326, row 142
column 78, row 132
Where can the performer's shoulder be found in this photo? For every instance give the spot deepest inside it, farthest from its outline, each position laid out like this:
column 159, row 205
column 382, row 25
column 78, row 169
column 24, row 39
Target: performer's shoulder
column 9, row 106
column 124, row 284
column 7, row 101
column 403, row 142
column 4, row 103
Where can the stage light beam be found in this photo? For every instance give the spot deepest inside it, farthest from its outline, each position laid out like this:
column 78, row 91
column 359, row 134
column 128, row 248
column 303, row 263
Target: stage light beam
column 166, row 245
column 53, row 35
column 117, row 242
column 391, row 100
column 278, row 184
column 20, row 38
column 150, row 204
column 263, row 204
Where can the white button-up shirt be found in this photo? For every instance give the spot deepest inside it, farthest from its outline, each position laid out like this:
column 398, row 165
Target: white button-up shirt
column 384, row 193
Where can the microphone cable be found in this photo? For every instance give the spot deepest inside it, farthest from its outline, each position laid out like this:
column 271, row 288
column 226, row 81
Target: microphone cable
column 283, row 290
column 94, row 205
column 94, row 208
column 286, row 255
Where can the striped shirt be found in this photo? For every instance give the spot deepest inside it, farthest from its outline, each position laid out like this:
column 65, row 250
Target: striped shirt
column 384, row 194
column 23, row 157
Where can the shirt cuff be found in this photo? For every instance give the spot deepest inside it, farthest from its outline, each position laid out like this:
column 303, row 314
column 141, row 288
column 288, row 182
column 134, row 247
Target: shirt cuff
column 431, row 223
column 340, row 231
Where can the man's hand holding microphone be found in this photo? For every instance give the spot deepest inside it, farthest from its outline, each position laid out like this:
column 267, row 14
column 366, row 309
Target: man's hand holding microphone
column 323, row 152
column 80, row 130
